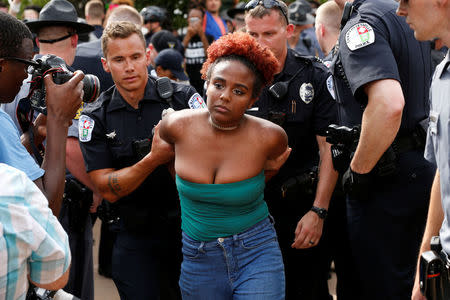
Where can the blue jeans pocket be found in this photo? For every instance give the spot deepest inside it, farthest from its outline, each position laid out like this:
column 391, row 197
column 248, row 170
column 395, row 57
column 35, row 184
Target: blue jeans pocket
column 259, row 239
column 190, row 249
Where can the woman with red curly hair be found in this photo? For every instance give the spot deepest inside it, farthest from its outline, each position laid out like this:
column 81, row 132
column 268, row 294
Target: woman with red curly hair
column 222, row 159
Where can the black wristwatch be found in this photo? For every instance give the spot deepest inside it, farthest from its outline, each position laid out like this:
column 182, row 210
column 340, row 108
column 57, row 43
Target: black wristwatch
column 321, row 212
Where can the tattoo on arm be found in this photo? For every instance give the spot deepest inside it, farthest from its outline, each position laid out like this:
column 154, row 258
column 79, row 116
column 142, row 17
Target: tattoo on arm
column 113, row 184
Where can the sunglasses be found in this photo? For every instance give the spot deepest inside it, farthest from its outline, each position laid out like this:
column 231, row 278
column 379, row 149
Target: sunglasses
column 267, row 4
column 29, row 63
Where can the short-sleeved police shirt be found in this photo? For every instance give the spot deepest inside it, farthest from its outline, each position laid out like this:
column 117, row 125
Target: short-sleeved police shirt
column 437, row 149
column 108, row 129
column 377, row 44
column 308, row 108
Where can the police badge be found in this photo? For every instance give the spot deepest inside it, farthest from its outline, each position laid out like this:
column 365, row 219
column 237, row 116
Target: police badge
column 306, row 92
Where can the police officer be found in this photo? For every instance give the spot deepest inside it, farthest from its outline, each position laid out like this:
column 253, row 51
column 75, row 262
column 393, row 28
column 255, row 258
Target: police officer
column 303, row 40
column 114, row 137
column 388, row 180
column 154, row 17
column 430, row 19
column 300, row 102
column 328, row 20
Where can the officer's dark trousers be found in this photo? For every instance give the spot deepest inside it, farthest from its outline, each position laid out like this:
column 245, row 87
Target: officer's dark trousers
column 306, row 269
column 386, row 229
column 81, row 276
column 146, row 266
column 335, row 234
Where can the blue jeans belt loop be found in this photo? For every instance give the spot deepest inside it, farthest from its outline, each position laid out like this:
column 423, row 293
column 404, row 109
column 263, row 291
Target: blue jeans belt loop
column 200, row 248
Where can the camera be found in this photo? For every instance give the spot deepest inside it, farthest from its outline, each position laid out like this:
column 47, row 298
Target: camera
column 54, row 65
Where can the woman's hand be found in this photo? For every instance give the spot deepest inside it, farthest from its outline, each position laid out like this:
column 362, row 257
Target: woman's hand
column 273, row 165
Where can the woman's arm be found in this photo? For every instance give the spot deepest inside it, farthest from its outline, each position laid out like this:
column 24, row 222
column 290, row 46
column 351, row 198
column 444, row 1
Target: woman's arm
column 279, row 150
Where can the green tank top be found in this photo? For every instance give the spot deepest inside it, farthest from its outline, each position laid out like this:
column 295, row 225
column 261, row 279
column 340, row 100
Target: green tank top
column 210, row 211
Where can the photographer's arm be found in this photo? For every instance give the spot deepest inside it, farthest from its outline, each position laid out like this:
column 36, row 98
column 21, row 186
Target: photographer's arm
column 62, row 103
column 114, row 184
column 310, row 226
column 434, row 223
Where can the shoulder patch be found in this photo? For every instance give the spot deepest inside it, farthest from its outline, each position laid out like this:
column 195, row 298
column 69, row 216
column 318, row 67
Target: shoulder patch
column 330, row 86
column 306, row 92
column 196, row 101
column 85, row 128
column 359, row 35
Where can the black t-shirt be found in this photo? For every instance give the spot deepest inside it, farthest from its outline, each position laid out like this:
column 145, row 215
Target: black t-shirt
column 195, row 57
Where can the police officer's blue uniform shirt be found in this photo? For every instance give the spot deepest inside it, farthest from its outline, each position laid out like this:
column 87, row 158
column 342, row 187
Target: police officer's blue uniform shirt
column 438, row 140
column 307, row 44
column 108, row 128
column 374, row 43
column 88, row 59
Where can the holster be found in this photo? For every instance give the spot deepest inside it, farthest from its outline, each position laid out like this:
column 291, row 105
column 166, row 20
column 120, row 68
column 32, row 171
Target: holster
column 303, row 183
column 434, row 274
column 78, row 199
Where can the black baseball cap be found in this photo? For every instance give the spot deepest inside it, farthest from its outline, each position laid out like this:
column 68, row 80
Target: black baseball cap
column 163, row 39
column 171, row 59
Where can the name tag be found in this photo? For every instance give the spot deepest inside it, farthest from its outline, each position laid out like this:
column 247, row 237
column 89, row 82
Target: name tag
column 434, row 118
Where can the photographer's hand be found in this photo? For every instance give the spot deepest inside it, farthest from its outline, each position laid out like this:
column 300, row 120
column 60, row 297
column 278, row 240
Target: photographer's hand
column 63, row 100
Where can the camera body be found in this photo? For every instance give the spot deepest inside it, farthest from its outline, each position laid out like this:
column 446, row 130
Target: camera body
column 57, row 68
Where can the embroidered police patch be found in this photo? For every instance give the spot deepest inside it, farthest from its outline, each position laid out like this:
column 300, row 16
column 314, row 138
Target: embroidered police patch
column 85, row 128
column 330, row 86
column 306, row 92
column 196, row 101
column 359, row 36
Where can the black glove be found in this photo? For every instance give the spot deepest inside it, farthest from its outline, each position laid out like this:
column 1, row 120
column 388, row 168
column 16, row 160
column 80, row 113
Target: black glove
column 356, row 185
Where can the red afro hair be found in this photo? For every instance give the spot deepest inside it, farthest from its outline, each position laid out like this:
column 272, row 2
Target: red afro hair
column 243, row 45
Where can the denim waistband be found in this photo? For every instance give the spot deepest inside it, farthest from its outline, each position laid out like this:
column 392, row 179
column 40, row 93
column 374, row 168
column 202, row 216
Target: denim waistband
column 255, row 229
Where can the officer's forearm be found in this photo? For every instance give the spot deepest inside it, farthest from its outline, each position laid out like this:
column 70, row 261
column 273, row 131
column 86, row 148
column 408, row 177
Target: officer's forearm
column 380, row 123
column 435, row 214
column 75, row 163
column 327, row 175
column 115, row 184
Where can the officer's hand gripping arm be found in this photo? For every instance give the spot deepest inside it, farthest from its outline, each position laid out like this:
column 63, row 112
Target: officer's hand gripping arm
column 114, row 184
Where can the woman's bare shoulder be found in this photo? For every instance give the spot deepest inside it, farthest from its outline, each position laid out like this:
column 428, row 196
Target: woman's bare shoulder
column 176, row 123
column 267, row 128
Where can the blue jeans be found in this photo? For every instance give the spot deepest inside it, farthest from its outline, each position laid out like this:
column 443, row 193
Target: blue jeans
column 247, row 266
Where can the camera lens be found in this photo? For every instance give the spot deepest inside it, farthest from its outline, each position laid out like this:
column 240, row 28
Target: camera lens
column 91, row 88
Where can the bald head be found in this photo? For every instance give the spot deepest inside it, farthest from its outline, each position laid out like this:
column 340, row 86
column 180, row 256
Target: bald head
column 125, row 13
column 329, row 14
column 328, row 21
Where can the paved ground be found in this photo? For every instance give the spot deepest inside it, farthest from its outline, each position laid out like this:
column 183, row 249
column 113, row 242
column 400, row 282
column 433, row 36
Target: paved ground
column 106, row 290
